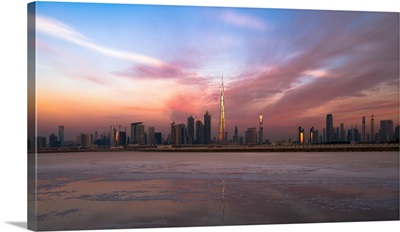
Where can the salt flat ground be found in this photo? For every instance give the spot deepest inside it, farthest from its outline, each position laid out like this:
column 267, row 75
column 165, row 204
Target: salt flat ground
column 155, row 189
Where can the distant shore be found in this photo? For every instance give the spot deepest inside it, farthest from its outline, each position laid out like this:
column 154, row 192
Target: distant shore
column 239, row 148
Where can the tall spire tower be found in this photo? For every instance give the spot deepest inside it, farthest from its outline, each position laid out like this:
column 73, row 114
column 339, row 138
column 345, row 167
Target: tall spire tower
column 221, row 134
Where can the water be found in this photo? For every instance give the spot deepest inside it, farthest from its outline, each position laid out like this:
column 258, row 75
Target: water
column 95, row 190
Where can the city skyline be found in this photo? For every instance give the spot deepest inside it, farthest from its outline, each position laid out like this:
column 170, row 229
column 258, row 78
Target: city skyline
column 181, row 133
column 89, row 78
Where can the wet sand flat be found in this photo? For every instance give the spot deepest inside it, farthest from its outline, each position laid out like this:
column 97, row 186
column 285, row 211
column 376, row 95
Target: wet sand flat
column 152, row 189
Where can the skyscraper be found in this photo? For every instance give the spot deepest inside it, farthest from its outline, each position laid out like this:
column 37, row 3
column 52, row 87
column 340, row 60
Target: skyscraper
column 221, row 132
column 260, row 132
column 235, row 136
column 386, row 132
column 137, row 133
column 150, row 133
column 182, row 134
column 158, row 138
column 342, row 133
column 311, row 139
column 329, row 128
column 190, row 130
column 207, row 128
column 61, row 135
column 301, row 135
column 251, row 136
column 53, row 142
column 122, row 138
column 199, row 132
column 174, row 134
column 113, row 137
column 372, row 129
column 363, row 139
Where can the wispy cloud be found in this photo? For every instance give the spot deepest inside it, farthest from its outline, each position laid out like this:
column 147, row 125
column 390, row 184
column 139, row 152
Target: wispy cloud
column 60, row 30
column 317, row 81
column 243, row 20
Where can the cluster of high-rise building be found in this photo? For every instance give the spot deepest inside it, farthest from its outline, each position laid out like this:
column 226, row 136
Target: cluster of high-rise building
column 331, row 134
column 197, row 132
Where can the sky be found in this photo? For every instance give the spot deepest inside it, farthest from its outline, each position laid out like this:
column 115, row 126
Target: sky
column 113, row 64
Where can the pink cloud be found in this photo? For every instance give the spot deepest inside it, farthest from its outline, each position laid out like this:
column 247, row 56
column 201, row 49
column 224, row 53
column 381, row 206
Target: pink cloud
column 243, row 20
column 354, row 63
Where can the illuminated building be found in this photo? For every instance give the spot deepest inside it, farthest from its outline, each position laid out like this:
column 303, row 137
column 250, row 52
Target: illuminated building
column 301, row 135
column 221, row 133
column 329, row 128
column 207, row 128
column 311, row 138
column 260, row 132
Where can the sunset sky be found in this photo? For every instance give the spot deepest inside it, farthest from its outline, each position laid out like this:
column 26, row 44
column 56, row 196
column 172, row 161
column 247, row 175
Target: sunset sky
column 103, row 64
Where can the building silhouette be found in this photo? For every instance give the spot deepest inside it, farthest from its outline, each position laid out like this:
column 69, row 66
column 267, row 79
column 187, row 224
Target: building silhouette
column 235, row 136
column 199, row 132
column 158, row 138
column 174, row 134
column 150, row 135
column 207, row 128
column 190, row 130
column 53, row 142
column 329, row 128
column 251, row 136
column 113, row 136
column 137, row 133
column 316, row 137
column 41, row 142
column 221, row 131
column 373, row 137
column 363, row 138
column 122, row 138
column 342, row 137
column 86, row 140
column 178, row 134
column 61, row 135
column 386, row 131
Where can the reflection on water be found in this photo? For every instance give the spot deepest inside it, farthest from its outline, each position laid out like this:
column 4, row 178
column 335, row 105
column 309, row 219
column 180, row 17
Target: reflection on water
column 135, row 190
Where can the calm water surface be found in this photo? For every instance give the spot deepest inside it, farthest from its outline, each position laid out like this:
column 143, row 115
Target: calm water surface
column 135, row 189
